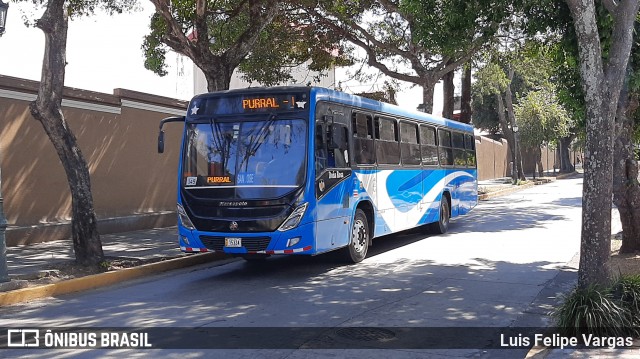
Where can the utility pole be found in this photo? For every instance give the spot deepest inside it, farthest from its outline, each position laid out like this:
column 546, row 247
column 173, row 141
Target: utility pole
column 4, row 273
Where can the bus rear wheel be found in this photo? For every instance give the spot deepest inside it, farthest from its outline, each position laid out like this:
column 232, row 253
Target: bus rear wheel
column 442, row 225
column 358, row 246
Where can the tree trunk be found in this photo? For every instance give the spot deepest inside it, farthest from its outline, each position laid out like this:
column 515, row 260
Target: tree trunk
column 427, row 97
column 602, row 84
column 538, row 153
column 626, row 189
column 565, row 157
column 596, row 199
column 508, row 135
column 512, row 119
column 218, row 77
column 47, row 109
column 465, row 100
column 448, row 93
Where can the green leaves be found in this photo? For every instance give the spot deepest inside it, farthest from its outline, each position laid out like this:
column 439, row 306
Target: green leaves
column 541, row 118
column 154, row 49
column 491, row 80
column 78, row 8
column 265, row 40
column 450, row 27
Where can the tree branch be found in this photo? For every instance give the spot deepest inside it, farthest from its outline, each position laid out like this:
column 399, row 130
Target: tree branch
column 54, row 24
column 371, row 54
column 622, row 38
column 176, row 38
column 261, row 18
column 365, row 34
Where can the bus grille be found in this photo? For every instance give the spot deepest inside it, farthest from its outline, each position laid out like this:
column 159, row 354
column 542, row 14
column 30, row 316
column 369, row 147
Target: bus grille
column 252, row 244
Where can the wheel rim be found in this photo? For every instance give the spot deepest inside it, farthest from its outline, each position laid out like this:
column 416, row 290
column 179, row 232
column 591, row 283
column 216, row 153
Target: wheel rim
column 359, row 236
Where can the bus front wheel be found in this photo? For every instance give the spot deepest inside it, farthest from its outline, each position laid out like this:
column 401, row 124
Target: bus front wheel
column 356, row 251
column 442, row 225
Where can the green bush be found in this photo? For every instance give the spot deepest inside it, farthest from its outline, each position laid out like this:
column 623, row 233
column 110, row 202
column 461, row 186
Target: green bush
column 593, row 310
column 626, row 290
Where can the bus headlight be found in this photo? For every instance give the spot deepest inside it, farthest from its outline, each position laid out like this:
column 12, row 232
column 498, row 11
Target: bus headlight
column 294, row 218
column 184, row 219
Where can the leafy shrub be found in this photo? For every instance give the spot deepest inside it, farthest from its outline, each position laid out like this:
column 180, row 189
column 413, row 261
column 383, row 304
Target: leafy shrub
column 626, row 290
column 593, row 310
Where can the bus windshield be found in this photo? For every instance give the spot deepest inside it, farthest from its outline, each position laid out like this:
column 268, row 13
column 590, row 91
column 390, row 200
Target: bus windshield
column 245, row 159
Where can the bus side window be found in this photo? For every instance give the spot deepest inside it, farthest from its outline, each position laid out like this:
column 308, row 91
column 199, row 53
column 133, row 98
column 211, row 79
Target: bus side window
column 428, row 146
column 459, row 155
column 409, row 147
column 387, row 145
column 362, row 125
column 445, row 149
column 470, row 147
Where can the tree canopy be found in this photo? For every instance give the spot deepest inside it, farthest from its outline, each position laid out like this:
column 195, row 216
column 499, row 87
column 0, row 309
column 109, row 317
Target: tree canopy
column 541, row 118
column 264, row 39
column 413, row 41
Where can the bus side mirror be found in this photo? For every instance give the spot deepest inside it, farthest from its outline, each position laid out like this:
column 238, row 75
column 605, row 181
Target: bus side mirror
column 161, row 134
column 338, row 137
column 161, row 142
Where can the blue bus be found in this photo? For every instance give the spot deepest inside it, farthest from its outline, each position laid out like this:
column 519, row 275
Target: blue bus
column 308, row 170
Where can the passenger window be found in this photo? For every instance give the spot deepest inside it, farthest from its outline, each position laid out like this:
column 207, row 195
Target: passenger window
column 363, row 146
column 409, row 147
column 387, row 146
column 428, row 148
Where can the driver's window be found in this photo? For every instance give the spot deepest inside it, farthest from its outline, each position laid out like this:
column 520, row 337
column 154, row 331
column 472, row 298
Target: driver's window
column 326, row 157
column 320, row 148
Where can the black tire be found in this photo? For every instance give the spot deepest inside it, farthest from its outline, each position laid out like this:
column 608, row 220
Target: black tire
column 358, row 246
column 442, row 226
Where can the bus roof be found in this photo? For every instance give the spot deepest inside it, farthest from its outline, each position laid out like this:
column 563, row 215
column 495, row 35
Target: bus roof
column 326, row 94
column 373, row 105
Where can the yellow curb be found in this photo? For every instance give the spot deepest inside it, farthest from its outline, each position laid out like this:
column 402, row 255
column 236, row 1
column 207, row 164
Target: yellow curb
column 103, row 279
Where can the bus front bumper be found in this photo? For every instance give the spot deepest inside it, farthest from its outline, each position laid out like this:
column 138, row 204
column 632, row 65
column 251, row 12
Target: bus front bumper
column 298, row 240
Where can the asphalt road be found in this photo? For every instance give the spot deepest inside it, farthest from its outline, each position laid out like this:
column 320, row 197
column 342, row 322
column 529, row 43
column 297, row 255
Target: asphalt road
column 500, row 266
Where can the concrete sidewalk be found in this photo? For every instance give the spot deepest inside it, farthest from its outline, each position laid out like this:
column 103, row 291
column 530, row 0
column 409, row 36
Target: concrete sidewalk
column 26, row 262
column 36, row 270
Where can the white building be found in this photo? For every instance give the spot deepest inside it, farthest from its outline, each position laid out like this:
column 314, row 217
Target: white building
column 301, row 76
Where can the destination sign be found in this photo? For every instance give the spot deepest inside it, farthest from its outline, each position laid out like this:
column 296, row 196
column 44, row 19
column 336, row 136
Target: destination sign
column 266, row 102
column 238, row 103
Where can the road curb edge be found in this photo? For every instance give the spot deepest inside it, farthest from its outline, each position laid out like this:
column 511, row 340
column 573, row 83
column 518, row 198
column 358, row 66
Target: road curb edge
column 104, row 279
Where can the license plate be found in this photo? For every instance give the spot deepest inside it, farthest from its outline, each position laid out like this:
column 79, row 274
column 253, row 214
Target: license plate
column 233, row 242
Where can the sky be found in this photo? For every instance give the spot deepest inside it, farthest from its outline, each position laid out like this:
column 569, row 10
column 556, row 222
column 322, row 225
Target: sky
column 104, row 53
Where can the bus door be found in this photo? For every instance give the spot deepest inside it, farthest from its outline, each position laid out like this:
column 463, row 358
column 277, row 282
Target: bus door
column 389, row 177
column 333, row 177
column 364, row 158
column 430, row 172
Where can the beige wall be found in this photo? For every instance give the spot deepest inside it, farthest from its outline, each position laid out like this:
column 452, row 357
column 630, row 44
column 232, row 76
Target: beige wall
column 493, row 158
column 133, row 186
